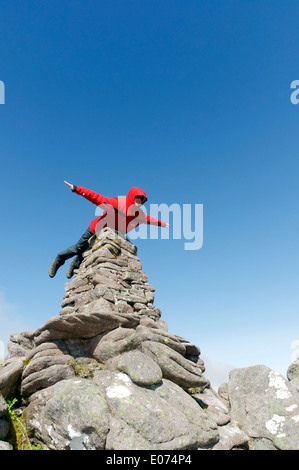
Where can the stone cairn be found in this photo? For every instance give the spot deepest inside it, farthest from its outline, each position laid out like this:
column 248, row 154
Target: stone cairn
column 106, row 374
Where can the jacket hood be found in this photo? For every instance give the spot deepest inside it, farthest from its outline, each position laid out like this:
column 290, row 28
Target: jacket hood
column 133, row 193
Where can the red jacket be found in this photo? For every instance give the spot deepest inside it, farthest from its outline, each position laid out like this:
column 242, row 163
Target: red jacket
column 121, row 212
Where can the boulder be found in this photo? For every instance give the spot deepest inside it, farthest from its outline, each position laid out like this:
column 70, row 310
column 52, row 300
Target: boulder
column 113, row 343
column 212, row 404
column 293, row 370
column 265, row 407
column 141, row 369
column 174, row 366
column 5, row 446
column 45, row 378
column 4, row 428
column 70, row 415
column 46, row 365
column 9, row 377
column 3, row 406
column 105, row 347
column 106, row 374
column 158, row 417
column 231, row 437
column 82, row 325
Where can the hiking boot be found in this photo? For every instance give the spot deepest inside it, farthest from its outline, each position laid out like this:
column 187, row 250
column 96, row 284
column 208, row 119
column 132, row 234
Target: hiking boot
column 70, row 271
column 54, row 268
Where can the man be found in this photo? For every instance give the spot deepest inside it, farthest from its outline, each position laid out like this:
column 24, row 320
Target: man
column 122, row 214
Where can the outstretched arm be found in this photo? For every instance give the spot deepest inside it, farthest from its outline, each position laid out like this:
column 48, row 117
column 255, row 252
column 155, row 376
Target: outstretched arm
column 153, row 221
column 95, row 198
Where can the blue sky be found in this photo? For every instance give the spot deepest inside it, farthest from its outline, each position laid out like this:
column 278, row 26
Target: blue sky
column 189, row 101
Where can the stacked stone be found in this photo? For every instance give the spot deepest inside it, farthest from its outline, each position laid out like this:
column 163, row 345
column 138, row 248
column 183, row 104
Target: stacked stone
column 110, row 339
column 106, row 374
column 110, row 278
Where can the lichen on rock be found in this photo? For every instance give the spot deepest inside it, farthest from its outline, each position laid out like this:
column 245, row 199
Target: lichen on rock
column 106, row 374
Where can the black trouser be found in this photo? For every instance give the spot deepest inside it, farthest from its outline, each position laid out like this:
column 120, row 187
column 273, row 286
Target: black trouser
column 77, row 249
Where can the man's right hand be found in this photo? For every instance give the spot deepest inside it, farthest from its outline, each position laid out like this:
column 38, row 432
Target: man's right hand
column 70, row 185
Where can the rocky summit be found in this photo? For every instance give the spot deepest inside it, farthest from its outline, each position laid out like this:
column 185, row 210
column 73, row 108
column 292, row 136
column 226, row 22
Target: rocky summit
column 106, row 374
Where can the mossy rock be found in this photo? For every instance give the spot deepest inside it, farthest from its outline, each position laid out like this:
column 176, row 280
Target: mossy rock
column 86, row 367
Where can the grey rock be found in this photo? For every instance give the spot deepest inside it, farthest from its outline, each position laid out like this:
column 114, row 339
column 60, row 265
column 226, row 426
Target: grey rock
column 103, row 291
column 294, row 385
column 206, row 428
column 264, row 405
column 46, row 365
column 112, row 265
column 223, row 394
column 82, row 325
column 161, row 336
column 9, row 377
column 3, row 406
column 51, row 348
column 148, row 311
column 122, row 436
column 38, row 364
column 261, row 444
column 97, row 306
column 110, row 280
column 5, row 446
column 16, row 350
column 106, row 373
column 150, row 297
column 231, row 437
column 46, row 377
column 175, row 367
column 67, row 310
column 99, row 256
column 163, row 417
column 123, row 307
column 100, row 279
column 19, row 344
column 71, row 414
column 131, row 297
column 108, row 345
column 4, row 428
column 200, row 363
column 134, row 264
column 85, row 367
column 108, row 235
column 149, row 323
column 76, row 347
column 134, row 276
column 141, row 368
column 293, row 370
column 214, row 407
